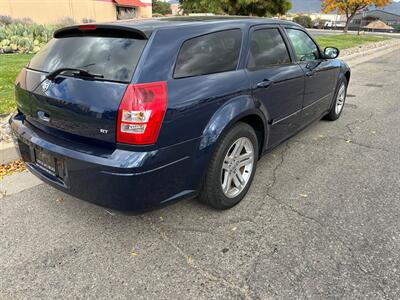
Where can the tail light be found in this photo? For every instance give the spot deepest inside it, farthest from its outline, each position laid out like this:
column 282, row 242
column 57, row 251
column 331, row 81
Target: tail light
column 141, row 113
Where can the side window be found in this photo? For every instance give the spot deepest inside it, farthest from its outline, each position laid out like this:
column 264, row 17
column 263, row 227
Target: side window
column 303, row 45
column 211, row 53
column 267, row 48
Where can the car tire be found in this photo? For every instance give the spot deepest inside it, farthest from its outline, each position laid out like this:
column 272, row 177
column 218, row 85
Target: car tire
column 338, row 100
column 231, row 169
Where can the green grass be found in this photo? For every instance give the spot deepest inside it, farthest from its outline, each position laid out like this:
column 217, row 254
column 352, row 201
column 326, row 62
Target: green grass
column 344, row 41
column 10, row 66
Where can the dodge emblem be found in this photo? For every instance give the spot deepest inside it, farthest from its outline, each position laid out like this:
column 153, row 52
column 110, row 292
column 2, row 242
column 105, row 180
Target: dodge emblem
column 45, row 85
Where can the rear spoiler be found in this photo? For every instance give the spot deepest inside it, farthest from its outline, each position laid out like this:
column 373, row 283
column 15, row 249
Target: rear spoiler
column 106, row 30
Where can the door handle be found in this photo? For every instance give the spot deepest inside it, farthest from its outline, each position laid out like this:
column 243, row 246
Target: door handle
column 310, row 73
column 264, row 84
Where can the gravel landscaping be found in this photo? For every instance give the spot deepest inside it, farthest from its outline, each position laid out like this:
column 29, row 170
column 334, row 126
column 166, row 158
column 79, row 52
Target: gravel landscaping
column 366, row 47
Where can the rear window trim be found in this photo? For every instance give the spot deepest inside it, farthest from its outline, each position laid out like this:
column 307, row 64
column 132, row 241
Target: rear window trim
column 80, row 77
column 207, row 33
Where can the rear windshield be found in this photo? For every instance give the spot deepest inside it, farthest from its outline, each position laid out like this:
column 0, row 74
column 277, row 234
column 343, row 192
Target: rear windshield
column 114, row 58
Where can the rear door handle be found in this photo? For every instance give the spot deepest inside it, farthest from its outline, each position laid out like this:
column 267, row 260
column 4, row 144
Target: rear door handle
column 264, row 84
column 310, row 73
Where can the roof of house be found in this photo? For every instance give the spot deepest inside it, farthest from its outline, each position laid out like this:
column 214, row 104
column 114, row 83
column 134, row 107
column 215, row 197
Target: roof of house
column 378, row 24
column 379, row 13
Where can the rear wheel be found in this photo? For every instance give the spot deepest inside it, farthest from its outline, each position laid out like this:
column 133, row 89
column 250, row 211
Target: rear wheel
column 231, row 168
column 340, row 98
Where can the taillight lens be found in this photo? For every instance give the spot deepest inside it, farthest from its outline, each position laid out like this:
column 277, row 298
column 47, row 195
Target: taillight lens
column 141, row 113
column 87, row 27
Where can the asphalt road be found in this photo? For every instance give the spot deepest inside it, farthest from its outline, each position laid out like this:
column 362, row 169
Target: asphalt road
column 321, row 220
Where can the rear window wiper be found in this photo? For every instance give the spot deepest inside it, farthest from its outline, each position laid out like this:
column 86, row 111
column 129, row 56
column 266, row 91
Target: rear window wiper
column 76, row 71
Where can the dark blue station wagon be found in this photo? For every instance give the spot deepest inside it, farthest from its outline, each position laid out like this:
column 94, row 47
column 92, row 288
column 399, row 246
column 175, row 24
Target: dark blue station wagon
column 137, row 114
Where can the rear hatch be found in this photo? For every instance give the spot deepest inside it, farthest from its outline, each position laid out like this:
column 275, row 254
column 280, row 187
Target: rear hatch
column 74, row 105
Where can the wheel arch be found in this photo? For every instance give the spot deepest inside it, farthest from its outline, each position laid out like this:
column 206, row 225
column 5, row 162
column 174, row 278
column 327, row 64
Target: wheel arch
column 347, row 75
column 242, row 109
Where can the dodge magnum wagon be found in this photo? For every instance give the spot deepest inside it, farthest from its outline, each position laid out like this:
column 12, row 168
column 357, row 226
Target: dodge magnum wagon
column 134, row 115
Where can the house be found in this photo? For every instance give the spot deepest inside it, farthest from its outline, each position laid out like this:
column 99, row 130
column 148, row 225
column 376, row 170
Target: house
column 363, row 19
column 52, row 11
column 377, row 25
column 329, row 20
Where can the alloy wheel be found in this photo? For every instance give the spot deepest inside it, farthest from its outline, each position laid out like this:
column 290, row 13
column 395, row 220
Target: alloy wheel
column 341, row 96
column 237, row 167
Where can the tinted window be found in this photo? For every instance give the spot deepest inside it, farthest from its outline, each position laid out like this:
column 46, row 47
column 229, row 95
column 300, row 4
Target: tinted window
column 303, row 45
column 115, row 58
column 210, row 53
column 267, row 48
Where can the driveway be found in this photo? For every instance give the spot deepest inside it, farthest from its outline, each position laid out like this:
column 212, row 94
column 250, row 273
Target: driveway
column 321, row 220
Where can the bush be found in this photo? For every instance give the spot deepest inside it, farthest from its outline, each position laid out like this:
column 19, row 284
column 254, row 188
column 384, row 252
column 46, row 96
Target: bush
column 65, row 21
column 304, row 21
column 162, row 8
column 319, row 23
column 24, row 37
column 87, row 20
column 26, row 21
column 6, row 20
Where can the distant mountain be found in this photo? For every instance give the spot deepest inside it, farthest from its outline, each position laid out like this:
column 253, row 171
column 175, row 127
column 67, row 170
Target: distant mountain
column 393, row 8
column 315, row 6
column 306, row 6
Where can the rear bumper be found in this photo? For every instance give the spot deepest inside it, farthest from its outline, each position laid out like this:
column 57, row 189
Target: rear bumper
column 117, row 179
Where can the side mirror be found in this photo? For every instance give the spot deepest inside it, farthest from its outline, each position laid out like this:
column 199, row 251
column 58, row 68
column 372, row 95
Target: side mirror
column 331, row 52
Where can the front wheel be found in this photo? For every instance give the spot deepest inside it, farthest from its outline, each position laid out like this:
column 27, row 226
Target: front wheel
column 339, row 100
column 231, row 168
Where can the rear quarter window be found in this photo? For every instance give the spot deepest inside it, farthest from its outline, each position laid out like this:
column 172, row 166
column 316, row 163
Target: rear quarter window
column 211, row 53
column 113, row 57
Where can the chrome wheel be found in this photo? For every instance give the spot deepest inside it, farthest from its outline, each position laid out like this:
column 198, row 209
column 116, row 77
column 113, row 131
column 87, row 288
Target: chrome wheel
column 341, row 96
column 237, row 167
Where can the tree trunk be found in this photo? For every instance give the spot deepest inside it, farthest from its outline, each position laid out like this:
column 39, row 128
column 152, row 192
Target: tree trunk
column 346, row 27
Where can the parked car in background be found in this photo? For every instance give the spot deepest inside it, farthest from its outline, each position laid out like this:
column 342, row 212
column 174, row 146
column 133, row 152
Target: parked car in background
column 134, row 115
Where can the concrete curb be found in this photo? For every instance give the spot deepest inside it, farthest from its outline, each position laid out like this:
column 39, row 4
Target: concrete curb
column 8, row 152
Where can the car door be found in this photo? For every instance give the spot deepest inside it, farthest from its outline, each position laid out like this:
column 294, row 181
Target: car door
column 320, row 74
column 277, row 81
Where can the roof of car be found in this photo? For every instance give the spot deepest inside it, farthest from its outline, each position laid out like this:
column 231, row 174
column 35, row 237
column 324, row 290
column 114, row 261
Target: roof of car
column 147, row 25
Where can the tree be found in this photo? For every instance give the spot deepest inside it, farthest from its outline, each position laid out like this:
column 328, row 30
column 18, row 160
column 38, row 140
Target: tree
column 162, row 8
column 259, row 8
column 350, row 7
column 304, row 21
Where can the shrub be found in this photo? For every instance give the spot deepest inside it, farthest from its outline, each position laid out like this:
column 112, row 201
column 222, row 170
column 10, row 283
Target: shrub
column 6, row 20
column 65, row 21
column 26, row 21
column 88, row 20
column 162, row 8
column 304, row 21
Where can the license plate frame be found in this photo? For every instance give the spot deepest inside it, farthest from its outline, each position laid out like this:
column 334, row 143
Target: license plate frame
column 49, row 163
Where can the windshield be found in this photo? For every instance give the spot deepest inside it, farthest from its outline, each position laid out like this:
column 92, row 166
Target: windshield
column 114, row 58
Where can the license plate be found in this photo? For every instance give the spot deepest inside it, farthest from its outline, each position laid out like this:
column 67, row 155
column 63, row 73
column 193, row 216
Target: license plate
column 45, row 160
